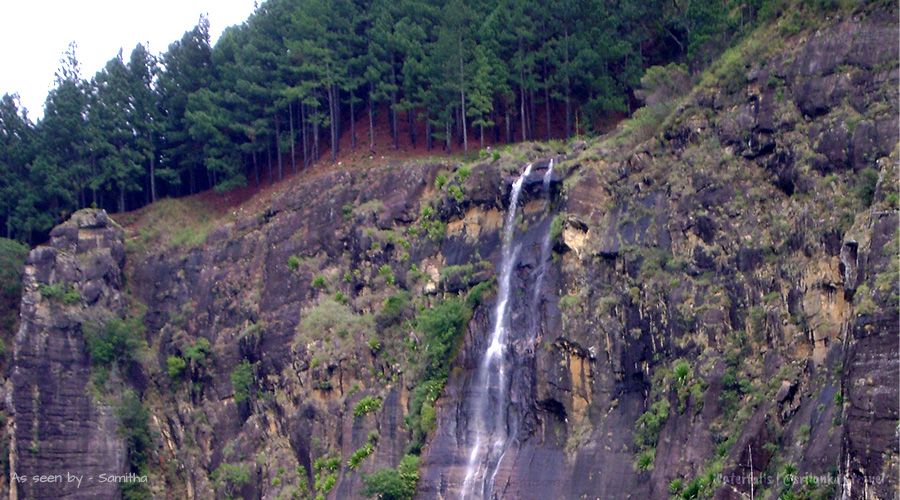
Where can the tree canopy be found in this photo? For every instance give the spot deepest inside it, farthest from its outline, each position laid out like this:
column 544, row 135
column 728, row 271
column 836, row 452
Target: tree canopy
column 279, row 91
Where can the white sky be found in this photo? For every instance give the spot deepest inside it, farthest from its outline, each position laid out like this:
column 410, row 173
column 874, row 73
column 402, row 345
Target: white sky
column 35, row 33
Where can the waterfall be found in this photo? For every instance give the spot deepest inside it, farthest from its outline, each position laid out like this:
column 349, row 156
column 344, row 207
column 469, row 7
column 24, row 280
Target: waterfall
column 493, row 387
column 542, row 265
column 491, row 426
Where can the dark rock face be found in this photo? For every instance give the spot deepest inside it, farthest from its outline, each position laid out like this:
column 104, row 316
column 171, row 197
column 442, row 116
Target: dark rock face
column 60, row 429
column 658, row 264
column 869, row 440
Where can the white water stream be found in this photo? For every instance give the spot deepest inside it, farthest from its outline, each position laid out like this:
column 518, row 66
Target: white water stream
column 489, row 400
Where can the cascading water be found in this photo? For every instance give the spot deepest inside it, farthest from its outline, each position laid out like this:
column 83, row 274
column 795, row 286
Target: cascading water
column 542, row 266
column 490, row 438
column 492, row 426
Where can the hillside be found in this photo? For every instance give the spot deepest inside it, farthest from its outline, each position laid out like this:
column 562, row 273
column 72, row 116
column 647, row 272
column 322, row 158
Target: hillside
column 702, row 303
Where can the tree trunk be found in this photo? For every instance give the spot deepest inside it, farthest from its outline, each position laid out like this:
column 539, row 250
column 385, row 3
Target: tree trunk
column 316, row 140
column 532, row 115
column 152, row 177
column 121, row 198
column 507, row 122
column 269, row 158
column 333, row 124
column 371, row 120
column 449, row 130
column 293, row 138
column 338, row 124
column 522, row 110
column 303, row 128
column 547, row 102
column 394, row 131
column 256, row 168
column 496, row 125
column 462, row 99
column 482, row 136
column 278, row 147
column 411, row 120
column 352, row 122
column 429, row 140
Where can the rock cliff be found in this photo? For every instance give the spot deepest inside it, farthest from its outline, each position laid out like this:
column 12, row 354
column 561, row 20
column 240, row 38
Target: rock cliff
column 717, row 313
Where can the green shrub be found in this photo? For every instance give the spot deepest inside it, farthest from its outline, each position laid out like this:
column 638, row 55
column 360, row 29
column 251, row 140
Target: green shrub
column 456, row 193
column 682, row 371
column 329, row 318
column 394, row 310
column 645, row 460
column 230, row 478
column 394, row 484
column 359, row 455
column 421, row 417
column 367, row 405
column 325, row 474
column 293, row 262
column 134, row 427
column 242, row 379
column 556, row 226
column 60, row 292
column 319, row 282
column 443, row 326
column 569, row 301
column 803, row 432
column 198, row 353
column 118, row 341
column 175, row 366
column 649, row 424
column 675, row 486
column 476, row 294
column 433, row 228
column 440, row 180
column 387, row 273
column 866, row 181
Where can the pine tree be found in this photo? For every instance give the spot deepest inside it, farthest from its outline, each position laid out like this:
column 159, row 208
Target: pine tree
column 61, row 169
column 187, row 67
column 119, row 159
column 17, row 138
column 142, row 69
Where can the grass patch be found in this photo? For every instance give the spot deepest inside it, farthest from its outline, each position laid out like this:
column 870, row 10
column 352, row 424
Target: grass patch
column 367, row 405
column 60, row 292
column 171, row 222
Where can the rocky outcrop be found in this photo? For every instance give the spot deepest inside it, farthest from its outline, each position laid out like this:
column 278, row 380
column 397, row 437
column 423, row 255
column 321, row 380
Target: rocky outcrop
column 61, row 431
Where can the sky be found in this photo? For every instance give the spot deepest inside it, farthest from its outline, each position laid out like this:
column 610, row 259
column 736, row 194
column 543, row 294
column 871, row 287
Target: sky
column 35, row 33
